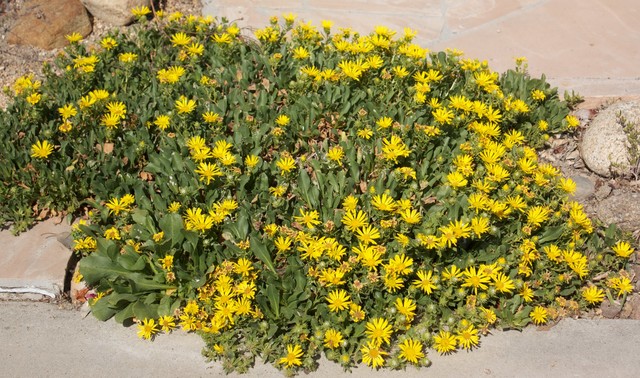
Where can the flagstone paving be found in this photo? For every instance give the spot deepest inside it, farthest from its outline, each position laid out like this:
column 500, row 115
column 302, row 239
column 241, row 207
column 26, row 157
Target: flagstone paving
column 590, row 47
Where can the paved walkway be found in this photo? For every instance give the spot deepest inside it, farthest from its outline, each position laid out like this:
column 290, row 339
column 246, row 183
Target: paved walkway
column 40, row 340
column 590, row 46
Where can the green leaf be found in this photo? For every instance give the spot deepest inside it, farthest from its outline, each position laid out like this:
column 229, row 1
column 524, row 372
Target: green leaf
column 261, row 252
column 173, row 228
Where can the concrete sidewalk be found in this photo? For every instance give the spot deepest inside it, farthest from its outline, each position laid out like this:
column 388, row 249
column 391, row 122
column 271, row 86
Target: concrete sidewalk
column 589, row 46
column 41, row 340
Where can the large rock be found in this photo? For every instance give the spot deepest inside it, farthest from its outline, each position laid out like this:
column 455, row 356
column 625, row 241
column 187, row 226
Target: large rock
column 605, row 146
column 35, row 262
column 623, row 209
column 44, row 24
column 114, row 12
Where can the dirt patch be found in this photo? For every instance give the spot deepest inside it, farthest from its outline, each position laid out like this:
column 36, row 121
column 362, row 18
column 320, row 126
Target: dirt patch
column 17, row 61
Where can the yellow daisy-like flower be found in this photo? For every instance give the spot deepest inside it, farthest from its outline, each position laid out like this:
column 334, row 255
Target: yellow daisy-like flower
column 572, row 121
column 108, row 43
column 34, row 98
column 308, row 218
column 67, row 111
column 411, row 351
column 140, row 11
column 74, row 37
column 332, row 338
column 112, row 234
column 185, row 105
column 162, row 122
column 622, row 249
column 539, row 315
column 468, row 337
column 338, row 300
column 294, row 352
column 41, row 150
column 147, row 329
column 444, row 342
column 336, row 154
column 286, row 164
column 180, row 39
column 379, row 330
column 251, row 161
column 593, row 294
column 373, row 355
column 127, row 57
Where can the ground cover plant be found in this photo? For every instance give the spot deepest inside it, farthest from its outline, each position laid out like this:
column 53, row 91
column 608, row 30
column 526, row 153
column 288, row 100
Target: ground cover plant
column 306, row 191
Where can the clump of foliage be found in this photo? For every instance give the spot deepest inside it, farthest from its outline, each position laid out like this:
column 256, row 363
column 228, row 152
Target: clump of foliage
column 306, row 192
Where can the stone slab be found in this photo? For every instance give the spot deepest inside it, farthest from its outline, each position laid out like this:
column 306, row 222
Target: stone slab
column 586, row 46
column 35, row 261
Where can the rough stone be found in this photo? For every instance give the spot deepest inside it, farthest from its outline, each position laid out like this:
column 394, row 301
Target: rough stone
column 631, row 308
column 44, row 24
column 585, row 188
column 35, row 262
column 621, row 209
column 114, row 12
column 610, row 310
column 605, row 146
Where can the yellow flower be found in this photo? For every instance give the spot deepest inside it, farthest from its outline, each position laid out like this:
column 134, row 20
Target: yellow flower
column 368, row 234
column 127, row 57
column 147, row 329
column 167, row 262
column 208, row 171
column 74, row 37
column 338, row 300
column 180, row 39
column 336, row 154
column 538, row 215
column 108, row 43
column 158, row 236
column 140, row 11
column 444, row 342
column 373, row 355
column 300, row 53
column 308, row 218
column 112, row 234
column 67, row 111
column 41, row 150
column 538, row 95
column 593, row 294
column 34, row 98
column 162, row 122
column 572, row 121
column 411, row 351
column 332, row 338
column 406, row 307
column 195, row 48
column 393, row 148
column 353, row 219
column 622, row 249
column 283, row 243
column 167, row 323
column 282, row 120
column 475, row 279
column 286, row 164
column 110, row 120
column 468, row 337
column 379, row 330
column 294, row 352
column 456, row 180
column 539, row 315
column 251, row 161
column 425, row 281
column 184, row 105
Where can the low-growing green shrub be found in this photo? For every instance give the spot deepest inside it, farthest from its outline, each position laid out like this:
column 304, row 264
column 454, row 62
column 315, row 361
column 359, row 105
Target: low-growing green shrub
column 305, row 192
